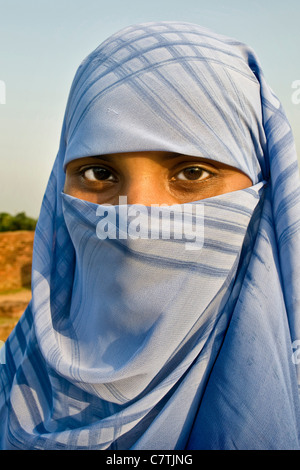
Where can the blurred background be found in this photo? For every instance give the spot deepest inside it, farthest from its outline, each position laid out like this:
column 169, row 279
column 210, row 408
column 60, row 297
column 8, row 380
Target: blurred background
column 42, row 42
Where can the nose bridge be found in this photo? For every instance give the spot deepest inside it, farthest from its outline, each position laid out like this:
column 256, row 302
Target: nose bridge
column 144, row 179
column 143, row 189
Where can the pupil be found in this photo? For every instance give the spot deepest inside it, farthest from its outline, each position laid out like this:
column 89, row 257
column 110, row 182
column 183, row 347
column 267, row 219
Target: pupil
column 192, row 173
column 101, row 173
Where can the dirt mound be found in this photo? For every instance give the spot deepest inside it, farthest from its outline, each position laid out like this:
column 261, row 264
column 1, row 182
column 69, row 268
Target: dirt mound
column 15, row 277
column 11, row 308
column 15, row 260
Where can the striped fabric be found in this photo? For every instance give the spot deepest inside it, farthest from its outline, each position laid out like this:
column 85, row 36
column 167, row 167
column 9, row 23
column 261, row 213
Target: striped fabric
column 142, row 343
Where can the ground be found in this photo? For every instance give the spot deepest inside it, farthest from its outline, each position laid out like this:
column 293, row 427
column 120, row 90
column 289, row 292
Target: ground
column 12, row 306
column 15, row 276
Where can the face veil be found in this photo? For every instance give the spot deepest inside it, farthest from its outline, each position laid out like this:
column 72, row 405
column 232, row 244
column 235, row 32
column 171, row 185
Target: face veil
column 140, row 343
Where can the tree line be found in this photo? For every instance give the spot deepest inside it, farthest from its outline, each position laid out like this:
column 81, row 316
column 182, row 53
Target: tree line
column 19, row 221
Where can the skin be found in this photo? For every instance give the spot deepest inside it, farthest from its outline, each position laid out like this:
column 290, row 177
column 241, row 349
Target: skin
column 150, row 178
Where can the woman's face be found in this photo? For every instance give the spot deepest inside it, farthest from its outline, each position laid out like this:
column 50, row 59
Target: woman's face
column 150, row 178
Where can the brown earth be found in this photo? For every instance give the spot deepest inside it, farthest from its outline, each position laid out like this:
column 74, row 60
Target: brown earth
column 11, row 308
column 15, row 277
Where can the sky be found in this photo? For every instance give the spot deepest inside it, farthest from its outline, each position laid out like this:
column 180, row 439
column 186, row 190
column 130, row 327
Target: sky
column 42, row 43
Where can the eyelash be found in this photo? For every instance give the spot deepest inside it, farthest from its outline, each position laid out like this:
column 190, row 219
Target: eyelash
column 82, row 172
column 197, row 167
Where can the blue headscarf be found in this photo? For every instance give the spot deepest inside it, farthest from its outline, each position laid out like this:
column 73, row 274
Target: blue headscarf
column 143, row 344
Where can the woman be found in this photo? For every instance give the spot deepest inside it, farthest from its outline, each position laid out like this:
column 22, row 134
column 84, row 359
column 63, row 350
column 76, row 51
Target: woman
column 131, row 342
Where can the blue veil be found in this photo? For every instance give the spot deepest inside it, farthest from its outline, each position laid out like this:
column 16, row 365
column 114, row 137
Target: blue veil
column 142, row 344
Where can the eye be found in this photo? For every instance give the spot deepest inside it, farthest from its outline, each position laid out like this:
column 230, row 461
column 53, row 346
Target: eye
column 193, row 173
column 97, row 173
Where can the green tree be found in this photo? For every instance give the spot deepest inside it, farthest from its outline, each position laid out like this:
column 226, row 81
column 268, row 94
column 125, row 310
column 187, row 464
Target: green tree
column 20, row 221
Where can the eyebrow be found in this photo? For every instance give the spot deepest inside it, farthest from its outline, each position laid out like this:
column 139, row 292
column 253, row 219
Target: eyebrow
column 167, row 156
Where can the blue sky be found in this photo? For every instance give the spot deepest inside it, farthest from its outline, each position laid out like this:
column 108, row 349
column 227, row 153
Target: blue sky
column 42, row 42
